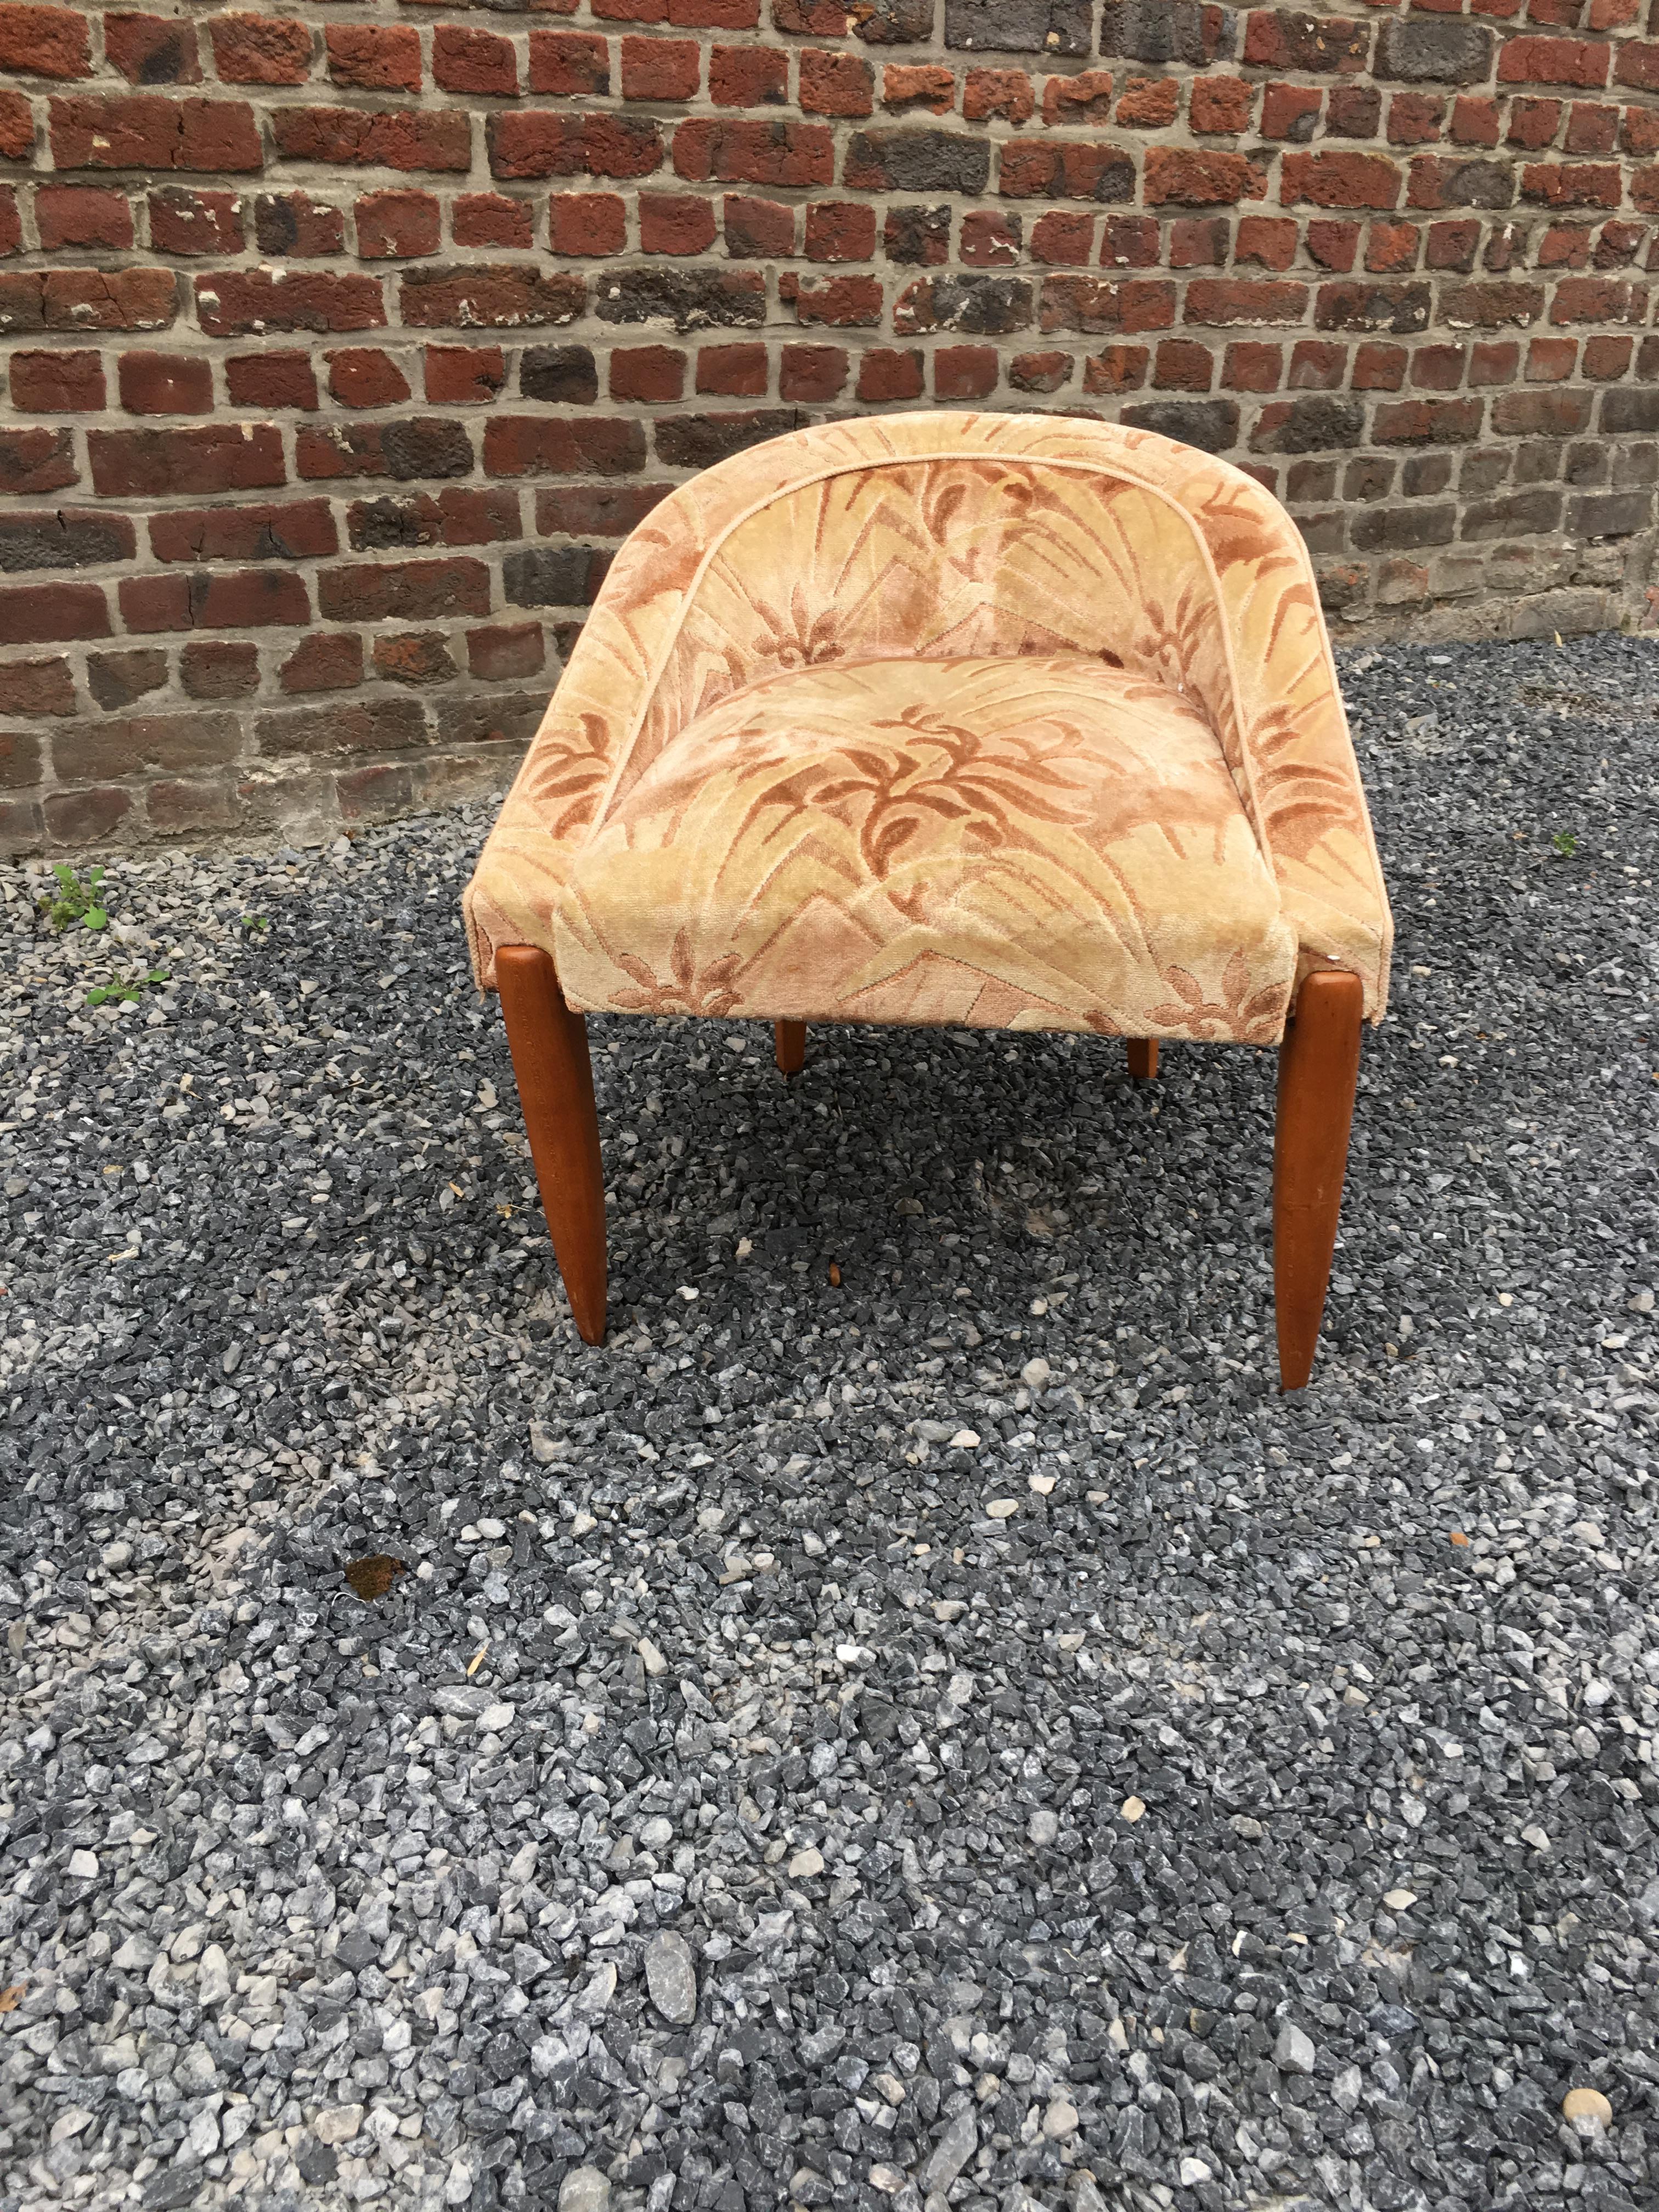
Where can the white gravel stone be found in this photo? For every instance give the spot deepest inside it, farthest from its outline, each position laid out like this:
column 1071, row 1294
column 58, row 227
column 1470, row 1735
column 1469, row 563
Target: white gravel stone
column 337, row 2123
column 671, row 1977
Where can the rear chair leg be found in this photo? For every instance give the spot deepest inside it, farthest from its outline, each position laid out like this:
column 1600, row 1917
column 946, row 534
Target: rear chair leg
column 1318, row 1068
column 791, row 1047
column 549, row 1045
column 1143, row 1058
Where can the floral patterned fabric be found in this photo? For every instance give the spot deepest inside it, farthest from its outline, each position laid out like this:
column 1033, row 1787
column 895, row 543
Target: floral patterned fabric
column 1015, row 721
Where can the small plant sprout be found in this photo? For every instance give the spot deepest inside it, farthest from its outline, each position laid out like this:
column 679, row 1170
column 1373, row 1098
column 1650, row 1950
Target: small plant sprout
column 75, row 901
column 127, row 994
column 258, row 922
column 1565, row 843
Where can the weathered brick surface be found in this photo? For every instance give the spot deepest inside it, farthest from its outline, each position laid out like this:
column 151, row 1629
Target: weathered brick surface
column 340, row 354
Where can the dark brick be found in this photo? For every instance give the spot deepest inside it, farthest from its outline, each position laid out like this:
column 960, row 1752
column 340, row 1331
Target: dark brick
column 1399, row 529
column 1434, row 50
column 36, row 687
column 407, row 591
column 1210, row 424
column 1360, row 307
column 983, row 305
column 688, row 298
column 694, row 442
column 1516, row 513
column 424, row 446
column 460, row 515
column 144, row 741
column 75, row 818
column 70, row 538
column 910, row 160
column 1017, row 26
column 553, row 576
column 563, row 375
column 379, row 725
column 219, row 668
column 1309, row 425
column 1611, row 514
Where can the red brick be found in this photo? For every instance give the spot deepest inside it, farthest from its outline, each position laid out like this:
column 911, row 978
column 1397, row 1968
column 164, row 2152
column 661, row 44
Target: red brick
column 459, row 514
column 1378, row 367
column 1606, row 358
column 1596, row 300
column 1422, row 421
column 647, row 374
column 1534, row 123
column 397, row 225
column 1392, row 246
column 830, row 83
column 1220, row 106
column 506, row 650
column 1316, row 365
column 839, row 230
column 776, row 153
column 404, row 591
column 1276, row 39
column 652, row 69
column 587, row 223
column 989, row 239
column 1199, row 177
column 468, row 60
column 328, row 660
column 1091, row 304
column 1117, row 369
column 1251, row 365
column 45, row 42
column 165, row 384
column 1039, row 372
column 1148, row 103
column 549, row 143
column 1541, row 413
column 1553, row 61
column 1072, row 169
column 1551, row 361
column 239, row 302
column 381, row 138
column 965, row 372
column 1438, row 368
column 674, row 222
column 363, row 376
column 1494, row 362
column 463, row 375
column 83, row 300
column 749, row 77
column 11, row 227
column 260, row 49
column 1355, row 111
column 1269, row 241
column 1212, row 299
column 271, row 379
column 491, row 219
column 57, row 383
column 143, row 132
column 1334, row 245
column 812, row 371
column 85, row 818
column 1339, row 180
column 293, row 227
column 16, row 127
column 1199, row 241
column 374, row 56
column 1572, row 184
column 850, row 302
column 1415, row 118
column 733, row 372
column 36, row 687
column 1006, row 93
column 83, row 216
column 1063, row 240
column 1131, row 241
column 1182, row 365
column 1452, row 245
column 887, row 373
column 761, row 229
column 296, row 530
column 907, row 86
column 414, row 657
column 1476, row 120
column 44, row 614
column 597, row 510
column 1638, row 65
column 1592, row 129
column 1563, row 246
column 578, row 63
column 1291, row 111
column 522, row 445
column 1081, row 99
column 220, row 457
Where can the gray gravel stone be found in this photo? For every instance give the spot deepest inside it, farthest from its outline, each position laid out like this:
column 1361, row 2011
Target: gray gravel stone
column 671, row 1976
column 1396, row 1788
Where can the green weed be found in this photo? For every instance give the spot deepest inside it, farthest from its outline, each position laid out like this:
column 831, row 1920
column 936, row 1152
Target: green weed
column 75, row 901
column 1564, row 843
column 127, row 994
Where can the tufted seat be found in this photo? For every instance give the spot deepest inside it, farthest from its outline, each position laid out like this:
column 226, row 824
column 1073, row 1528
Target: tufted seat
column 1024, row 722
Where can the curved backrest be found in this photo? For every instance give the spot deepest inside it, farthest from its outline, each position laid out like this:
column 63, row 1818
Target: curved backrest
column 941, row 536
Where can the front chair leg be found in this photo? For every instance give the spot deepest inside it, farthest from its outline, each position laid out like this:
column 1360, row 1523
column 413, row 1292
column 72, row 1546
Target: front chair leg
column 549, row 1045
column 1318, row 1068
column 1143, row 1058
column 789, row 1047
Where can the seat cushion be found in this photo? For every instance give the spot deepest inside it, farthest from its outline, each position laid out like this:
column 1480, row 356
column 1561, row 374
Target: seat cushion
column 1042, row 842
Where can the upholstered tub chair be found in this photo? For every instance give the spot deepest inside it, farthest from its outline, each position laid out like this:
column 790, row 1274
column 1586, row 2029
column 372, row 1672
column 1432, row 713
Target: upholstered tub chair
column 1017, row 722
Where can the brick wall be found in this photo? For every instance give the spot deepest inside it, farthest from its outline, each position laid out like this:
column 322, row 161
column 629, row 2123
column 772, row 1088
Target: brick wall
column 342, row 342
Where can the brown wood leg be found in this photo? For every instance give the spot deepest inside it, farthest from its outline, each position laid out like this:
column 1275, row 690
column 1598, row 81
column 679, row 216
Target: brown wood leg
column 1143, row 1058
column 1318, row 1067
column 549, row 1045
column 791, row 1047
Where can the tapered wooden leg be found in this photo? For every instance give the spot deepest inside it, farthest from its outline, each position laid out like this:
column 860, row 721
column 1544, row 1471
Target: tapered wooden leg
column 1318, row 1067
column 549, row 1045
column 791, row 1047
column 1143, row 1058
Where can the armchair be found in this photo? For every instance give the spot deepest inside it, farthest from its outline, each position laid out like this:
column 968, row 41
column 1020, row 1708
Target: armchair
column 1018, row 722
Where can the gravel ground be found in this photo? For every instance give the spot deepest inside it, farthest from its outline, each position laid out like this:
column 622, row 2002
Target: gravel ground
column 952, row 1737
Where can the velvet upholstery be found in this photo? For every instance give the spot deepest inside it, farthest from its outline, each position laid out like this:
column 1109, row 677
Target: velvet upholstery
column 1015, row 721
